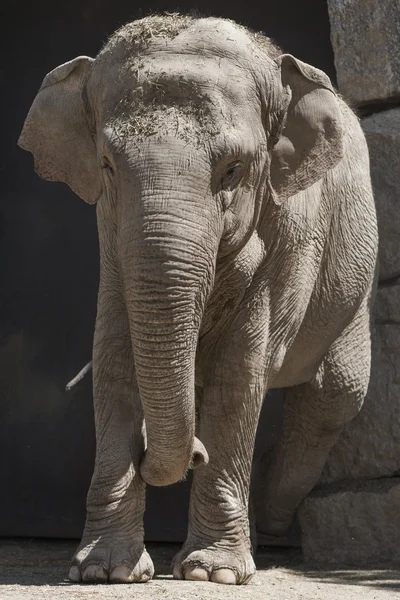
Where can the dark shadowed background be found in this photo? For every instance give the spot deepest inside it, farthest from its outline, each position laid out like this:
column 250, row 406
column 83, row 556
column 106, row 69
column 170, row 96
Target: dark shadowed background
column 49, row 267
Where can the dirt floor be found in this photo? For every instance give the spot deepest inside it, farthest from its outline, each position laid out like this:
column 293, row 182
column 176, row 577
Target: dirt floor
column 36, row 569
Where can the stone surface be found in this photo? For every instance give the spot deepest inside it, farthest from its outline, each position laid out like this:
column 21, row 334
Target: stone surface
column 356, row 523
column 370, row 445
column 382, row 131
column 387, row 304
column 365, row 36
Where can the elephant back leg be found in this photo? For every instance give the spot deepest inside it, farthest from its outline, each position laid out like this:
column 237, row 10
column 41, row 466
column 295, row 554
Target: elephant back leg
column 315, row 413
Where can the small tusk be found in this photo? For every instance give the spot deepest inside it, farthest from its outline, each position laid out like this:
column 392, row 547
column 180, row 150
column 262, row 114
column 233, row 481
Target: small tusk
column 78, row 377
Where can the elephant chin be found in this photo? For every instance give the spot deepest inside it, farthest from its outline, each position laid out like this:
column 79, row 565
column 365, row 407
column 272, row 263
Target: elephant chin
column 153, row 473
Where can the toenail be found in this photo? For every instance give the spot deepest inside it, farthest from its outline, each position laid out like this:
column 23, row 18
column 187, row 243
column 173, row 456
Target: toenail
column 225, row 576
column 122, row 573
column 196, row 574
column 94, row 574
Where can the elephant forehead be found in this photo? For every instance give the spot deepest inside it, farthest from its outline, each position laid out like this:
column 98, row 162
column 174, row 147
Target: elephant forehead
column 190, row 77
column 180, row 96
column 184, row 59
column 193, row 76
column 194, row 81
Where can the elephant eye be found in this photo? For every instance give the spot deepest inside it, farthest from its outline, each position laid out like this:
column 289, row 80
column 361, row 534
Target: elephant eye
column 106, row 166
column 232, row 176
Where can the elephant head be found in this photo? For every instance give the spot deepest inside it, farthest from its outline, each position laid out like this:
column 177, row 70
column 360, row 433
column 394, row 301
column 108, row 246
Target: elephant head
column 185, row 128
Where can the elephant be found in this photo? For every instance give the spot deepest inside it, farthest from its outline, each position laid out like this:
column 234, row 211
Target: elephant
column 238, row 250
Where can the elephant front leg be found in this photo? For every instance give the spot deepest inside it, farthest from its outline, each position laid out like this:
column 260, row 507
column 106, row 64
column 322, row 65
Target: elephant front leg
column 218, row 546
column 112, row 547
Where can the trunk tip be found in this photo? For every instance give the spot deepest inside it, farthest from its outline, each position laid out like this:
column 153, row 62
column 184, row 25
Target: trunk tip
column 154, row 472
column 200, row 454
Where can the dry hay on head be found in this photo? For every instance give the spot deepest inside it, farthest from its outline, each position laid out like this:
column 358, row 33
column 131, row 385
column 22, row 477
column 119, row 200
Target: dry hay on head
column 138, row 34
column 189, row 121
column 139, row 115
column 265, row 43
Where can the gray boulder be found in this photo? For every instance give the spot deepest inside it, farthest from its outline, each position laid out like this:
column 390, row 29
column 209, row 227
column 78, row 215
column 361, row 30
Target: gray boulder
column 365, row 37
column 382, row 131
column 355, row 523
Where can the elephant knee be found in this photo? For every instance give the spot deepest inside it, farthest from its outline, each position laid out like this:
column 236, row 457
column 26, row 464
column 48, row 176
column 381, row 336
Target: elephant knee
column 342, row 410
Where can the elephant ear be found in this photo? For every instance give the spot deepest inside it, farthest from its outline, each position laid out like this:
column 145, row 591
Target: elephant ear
column 57, row 132
column 309, row 140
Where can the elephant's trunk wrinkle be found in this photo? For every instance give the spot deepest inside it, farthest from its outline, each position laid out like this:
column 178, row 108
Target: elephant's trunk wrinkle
column 164, row 342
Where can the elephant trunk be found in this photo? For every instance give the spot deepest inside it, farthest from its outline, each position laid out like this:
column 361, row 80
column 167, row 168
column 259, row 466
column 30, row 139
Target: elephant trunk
column 165, row 276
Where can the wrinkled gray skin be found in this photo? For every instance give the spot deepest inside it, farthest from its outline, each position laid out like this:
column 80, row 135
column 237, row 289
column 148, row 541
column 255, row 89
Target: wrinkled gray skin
column 238, row 246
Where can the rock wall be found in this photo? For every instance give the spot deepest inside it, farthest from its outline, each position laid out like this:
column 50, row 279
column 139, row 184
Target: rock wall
column 365, row 36
column 357, row 523
column 353, row 524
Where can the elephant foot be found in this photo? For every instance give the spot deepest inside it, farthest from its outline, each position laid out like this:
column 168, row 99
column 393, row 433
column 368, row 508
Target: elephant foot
column 111, row 560
column 232, row 566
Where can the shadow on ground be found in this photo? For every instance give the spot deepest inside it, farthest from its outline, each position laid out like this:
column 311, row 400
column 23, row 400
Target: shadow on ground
column 291, row 560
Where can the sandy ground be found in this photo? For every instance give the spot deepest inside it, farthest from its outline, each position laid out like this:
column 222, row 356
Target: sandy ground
column 37, row 569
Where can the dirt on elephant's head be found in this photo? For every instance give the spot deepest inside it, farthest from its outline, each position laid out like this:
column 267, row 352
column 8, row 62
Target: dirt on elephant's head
column 136, row 120
column 161, row 97
column 138, row 34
